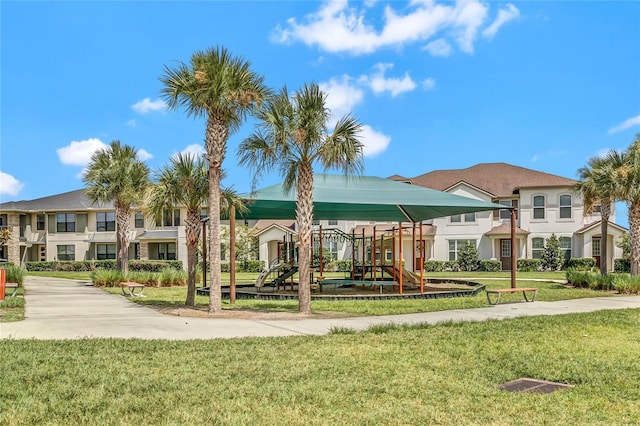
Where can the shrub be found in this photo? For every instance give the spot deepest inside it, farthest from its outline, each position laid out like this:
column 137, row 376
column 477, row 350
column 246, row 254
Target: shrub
column 154, row 265
column 241, row 266
column 434, row 266
column 107, row 277
column 552, row 259
column 528, row 265
column 490, row 265
column 468, row 258
column 343, row 265
column 626, row 284
column 14, row 274
column 581, row 263
column 170, row 277
column 450, row 266
column 621, row 265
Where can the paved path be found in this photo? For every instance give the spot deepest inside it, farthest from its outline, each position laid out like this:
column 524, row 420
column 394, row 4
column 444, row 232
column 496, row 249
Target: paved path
column 68, row 309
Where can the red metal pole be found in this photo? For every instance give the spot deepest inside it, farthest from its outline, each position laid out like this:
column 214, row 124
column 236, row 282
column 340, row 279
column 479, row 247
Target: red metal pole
column 421, row 261
column 400, row 255
column 513, row 248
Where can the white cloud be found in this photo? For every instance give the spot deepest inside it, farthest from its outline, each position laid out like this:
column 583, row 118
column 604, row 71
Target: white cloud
column 78, row 153
column 374, row 142
column 439, row 47
column 338, row 27
column 380, row 84
column 342, row 95
column 147, row 105
column 131, row 123
column 195, row 150
column 630, row 122
column 143, row 155
column 504, row 16
column 428, row 84
column 9, row 185
column 535, row 158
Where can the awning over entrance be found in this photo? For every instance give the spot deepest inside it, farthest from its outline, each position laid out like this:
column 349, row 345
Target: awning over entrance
column 363, row 198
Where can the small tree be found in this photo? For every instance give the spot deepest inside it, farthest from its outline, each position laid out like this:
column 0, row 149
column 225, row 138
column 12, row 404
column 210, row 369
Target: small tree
column 468, row 257
column 552, row 258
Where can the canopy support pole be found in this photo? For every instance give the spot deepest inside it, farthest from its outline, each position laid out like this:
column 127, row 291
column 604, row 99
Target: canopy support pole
column 400, row 255
column 373, row 253
column 513, row 248
column 421, row 265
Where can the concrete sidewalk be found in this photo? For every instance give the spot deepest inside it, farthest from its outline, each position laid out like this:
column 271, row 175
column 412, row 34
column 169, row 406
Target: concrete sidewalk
column 68, row 309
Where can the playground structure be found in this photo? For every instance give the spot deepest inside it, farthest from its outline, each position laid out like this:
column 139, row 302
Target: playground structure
column 377, row 260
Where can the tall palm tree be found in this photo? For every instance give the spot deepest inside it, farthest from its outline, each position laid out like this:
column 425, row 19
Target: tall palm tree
column 183, row 182
column 116, row 175
column 597, row 186
column 292, row 136
column 628, row 175
column 223, row 89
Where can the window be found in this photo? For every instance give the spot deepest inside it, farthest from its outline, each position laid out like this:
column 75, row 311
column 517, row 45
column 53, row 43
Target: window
column 595, row 246
column 66, row 222
column 333, row 222
column 538, row 207
column 387, row 255
column 40, row 222
column 505, row 214
column 66, row 252
column 565, row 207
column 138, row 219
column 105, row 221
column 456, row 218
column 565, row 247
column 171, row 218
column 457, row 245
column 105, row 251
column 315, row 222
column 537, row 248
column 333, row 248
column 167, row 251
column 470, row 217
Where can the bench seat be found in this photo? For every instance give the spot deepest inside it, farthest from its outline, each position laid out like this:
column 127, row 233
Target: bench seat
column 133, row 289
column 529, row 293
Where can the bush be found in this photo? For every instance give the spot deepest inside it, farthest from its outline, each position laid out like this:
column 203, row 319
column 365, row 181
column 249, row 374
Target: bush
column 552, row 259
column 468, row 258
column 581, row 263
column 626, row 284
column 450, row 266
column 343, row 265
column 107, row 277
column 621, row 265
column 170, row 277
column 434, row 266
column 94, row 265
column 490, row 265
column 590, row 280
column 154, row 265
column 241, row 266
column 528, row 265
column 14, row 274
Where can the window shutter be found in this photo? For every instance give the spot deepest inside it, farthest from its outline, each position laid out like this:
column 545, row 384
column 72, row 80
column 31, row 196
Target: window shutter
column 52, row 223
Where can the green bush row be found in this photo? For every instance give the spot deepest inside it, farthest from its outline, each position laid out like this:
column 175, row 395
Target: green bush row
column 621, row 265
column 241, row 266
column 454, row 266
column 93, row 265
column 167, row 277
column 623, row 283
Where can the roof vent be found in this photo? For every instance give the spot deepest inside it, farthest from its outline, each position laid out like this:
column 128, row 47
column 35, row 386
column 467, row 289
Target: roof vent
column 526, row 384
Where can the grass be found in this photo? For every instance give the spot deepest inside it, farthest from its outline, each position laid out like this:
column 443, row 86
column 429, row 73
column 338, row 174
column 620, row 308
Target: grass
column 444, row 374
column 548, row 291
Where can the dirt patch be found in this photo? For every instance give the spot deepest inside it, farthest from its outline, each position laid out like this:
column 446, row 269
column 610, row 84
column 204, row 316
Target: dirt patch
column 239, row 313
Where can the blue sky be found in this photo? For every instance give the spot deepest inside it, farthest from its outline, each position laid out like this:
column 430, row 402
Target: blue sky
column 438, row 85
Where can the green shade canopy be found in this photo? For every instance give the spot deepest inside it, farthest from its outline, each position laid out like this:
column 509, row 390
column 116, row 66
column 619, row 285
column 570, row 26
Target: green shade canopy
column 363, row 198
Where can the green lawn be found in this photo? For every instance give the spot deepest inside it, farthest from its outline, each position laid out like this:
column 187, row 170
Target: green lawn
column 444, row 374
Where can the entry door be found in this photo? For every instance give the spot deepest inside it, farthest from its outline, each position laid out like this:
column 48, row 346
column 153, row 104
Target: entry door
column 595, row 249
column 505, row 254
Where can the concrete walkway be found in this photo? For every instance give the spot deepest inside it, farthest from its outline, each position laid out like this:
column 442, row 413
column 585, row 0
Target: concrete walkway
column 68, row 309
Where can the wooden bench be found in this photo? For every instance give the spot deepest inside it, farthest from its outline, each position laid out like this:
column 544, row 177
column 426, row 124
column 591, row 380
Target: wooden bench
column 533, row 292
column 14, row 286
column 131, row 288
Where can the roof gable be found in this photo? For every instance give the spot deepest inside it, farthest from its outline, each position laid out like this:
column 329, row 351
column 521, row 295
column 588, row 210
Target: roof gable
column 497, row 179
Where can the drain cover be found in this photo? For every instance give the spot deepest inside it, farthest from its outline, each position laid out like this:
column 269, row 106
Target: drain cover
column 532, row 385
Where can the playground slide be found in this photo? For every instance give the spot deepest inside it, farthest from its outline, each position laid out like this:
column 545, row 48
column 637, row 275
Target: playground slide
column 407, row 275
column 265, row 273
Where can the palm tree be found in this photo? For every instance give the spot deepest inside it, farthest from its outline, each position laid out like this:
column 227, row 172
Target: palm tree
column 597, row 186
column 292, row 135
column 223, row 89
column 116, row 175
column 628, row 176
column 183, row 182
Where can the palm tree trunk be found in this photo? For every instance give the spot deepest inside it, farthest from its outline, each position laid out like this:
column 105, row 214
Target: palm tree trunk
column 123, row 214
column 304, row 216
column 216, row 138
column 605, row 213
column 192, row 227
column 634, row 235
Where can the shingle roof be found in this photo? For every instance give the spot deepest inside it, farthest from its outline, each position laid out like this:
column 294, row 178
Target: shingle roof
column 497, row 179
column 505, row 229
column 67, row 201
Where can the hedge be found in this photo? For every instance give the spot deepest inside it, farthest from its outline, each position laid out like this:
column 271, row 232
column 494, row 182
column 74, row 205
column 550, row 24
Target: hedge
column 528, row 265
column 621, row 265
column 92, row 265
column 490, row 265
column 581, row 263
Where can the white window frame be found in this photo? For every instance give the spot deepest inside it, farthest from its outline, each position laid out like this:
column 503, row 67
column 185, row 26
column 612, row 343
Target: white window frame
column 563, row 207
column 537, row 208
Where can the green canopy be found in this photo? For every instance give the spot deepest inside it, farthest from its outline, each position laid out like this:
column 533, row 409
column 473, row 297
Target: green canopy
column 363, row 198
